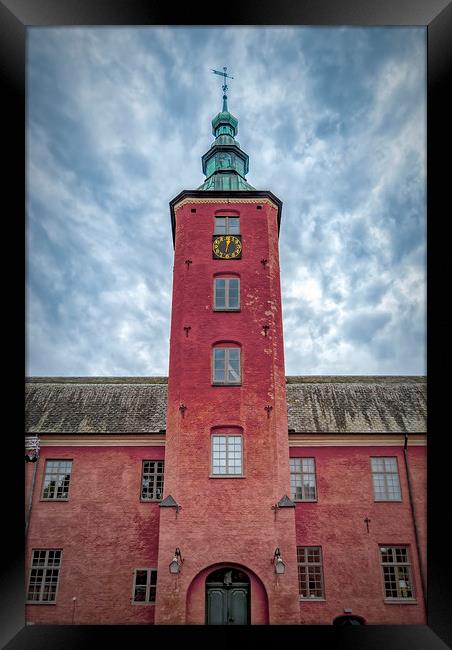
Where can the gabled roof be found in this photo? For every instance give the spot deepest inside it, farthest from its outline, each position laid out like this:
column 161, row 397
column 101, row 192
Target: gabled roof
column 357, row 404
column 95, row 405
column 138, row 404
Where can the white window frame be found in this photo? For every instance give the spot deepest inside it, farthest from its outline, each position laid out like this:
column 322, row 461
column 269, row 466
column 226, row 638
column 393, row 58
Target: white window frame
column 150, row 571
column 397, row 573
column 225, row 382
column 305, row 563
column 226, row 296
column 302, row 473
column 58, row 474
column 227, row 452
column 155, row 474
column 386, row 473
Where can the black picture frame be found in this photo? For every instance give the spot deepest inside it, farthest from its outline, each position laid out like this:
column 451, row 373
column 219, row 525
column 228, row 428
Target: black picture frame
column 15, row 17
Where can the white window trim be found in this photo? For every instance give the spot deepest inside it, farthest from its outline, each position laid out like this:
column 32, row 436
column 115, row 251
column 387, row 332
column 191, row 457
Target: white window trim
column 412, row 600
column 385, row 500
column 227, row 435
column 303, row 500
column 53, row 499
column 312, row 599
column 151, row 460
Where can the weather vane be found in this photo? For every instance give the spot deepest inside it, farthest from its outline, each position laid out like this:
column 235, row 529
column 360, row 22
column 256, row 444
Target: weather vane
column 224, row 75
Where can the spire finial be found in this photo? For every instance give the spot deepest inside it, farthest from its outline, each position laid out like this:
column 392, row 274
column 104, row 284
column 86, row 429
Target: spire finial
column 224, row 87
column 225, row 164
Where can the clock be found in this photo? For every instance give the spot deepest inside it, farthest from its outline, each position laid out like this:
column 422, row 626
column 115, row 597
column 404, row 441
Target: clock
column 227, row 247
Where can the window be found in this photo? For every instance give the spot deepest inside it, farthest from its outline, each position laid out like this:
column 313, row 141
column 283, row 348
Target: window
column 226, row 293
column 227, row 455
column 395, row 563
column 56, row 479
column 227, row 226
column 152, row 480
column 144, row 585
column 310, row 572
column 385, row 479
column 44, row 574
column 226, row 366
column 302, row 479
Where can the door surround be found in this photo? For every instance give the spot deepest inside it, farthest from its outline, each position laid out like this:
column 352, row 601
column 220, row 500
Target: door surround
column 228, row 590
column 196, row 595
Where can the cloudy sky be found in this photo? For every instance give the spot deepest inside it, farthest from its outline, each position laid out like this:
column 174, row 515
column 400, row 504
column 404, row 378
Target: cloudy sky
column 334, row 122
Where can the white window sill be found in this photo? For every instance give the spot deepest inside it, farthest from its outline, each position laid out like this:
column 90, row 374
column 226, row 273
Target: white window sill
column 400, row 601
column 227, row 476
column 302, row 599
column 40, row 602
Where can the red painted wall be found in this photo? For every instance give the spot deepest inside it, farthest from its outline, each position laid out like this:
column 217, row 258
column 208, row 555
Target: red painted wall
column 105, row 532
column 226, row 519
column 352, row 572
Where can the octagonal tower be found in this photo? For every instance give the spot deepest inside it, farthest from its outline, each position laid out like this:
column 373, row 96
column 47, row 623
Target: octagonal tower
column 225, row 503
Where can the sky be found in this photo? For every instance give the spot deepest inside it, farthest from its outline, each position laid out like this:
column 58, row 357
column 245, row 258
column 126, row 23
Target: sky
column 334, row 122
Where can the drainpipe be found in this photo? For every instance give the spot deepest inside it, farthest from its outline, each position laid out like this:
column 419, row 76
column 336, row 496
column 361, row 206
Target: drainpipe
column 34, row 458
column 413, row 514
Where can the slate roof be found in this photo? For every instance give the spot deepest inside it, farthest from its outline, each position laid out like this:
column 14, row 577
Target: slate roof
column 95, row 405
column 138, row 404
column 357, row 404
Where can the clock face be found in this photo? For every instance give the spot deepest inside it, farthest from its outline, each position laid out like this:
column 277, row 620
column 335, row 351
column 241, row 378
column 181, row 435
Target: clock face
column 227, row 247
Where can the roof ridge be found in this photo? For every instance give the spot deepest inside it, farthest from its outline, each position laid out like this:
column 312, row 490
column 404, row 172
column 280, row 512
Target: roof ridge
column 290, row 379
column 97, row 380
column 333, row 379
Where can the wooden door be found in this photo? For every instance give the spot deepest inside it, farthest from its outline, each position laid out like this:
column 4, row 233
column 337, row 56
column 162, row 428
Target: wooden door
column 227, row 597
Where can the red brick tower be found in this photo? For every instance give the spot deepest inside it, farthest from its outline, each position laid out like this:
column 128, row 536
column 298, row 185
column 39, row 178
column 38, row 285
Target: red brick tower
column 225, row 506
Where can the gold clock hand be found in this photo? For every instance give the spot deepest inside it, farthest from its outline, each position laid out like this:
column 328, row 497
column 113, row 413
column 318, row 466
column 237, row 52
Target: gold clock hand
column 228, row 241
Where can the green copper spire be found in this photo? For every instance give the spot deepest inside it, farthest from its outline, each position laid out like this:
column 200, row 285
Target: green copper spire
column 225, row 164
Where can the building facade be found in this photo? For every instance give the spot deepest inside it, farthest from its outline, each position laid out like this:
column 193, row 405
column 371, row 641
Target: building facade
column 228, row 493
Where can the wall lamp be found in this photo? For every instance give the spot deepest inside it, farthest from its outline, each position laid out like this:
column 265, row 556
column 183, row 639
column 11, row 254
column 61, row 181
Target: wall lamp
column 176, row 562
column 280, row 567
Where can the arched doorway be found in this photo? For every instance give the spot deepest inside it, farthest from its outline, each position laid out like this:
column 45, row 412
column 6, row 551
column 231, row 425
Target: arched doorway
column 228, row 597
column 349, row 619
